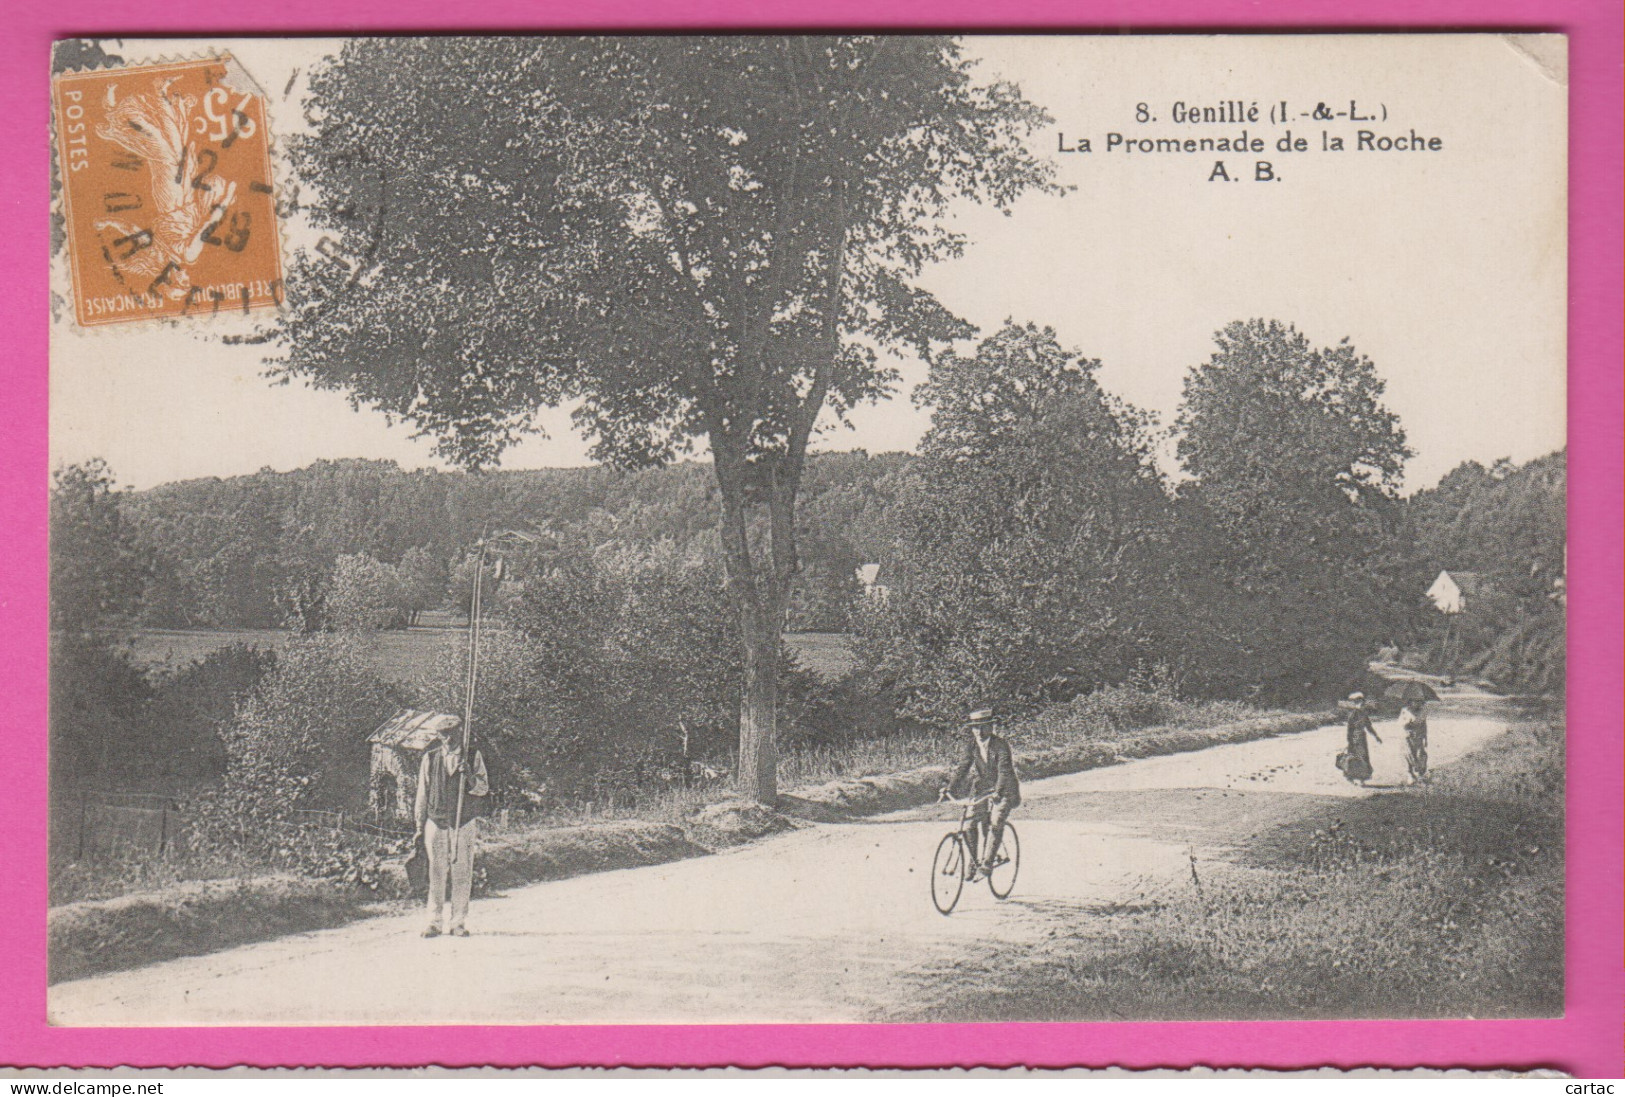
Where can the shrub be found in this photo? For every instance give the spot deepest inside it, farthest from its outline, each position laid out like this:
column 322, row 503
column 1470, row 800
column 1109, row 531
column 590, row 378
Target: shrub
column 527, row 722
column 1531, row 656
column 97, row 700
column 819, row 712
column 621, row 669
column 364, row 595
column 296, row 742
column 192, row 708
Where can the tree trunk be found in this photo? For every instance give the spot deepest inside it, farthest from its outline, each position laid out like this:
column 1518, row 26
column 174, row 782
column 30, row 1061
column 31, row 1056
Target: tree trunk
column 760, row 588
column 758, row 777
column 759, row 591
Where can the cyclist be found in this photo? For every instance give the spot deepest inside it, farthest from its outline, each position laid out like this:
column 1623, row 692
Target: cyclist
column 987, row 772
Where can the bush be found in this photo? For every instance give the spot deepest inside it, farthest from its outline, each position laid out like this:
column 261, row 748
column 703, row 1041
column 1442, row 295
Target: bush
column 296, row 742
column 1147, row 701
column 527, row 722
column 192, row 708
column 621, row 670
column 97, row 702
column 1531, row 656
column 364, row 595
column 823, row 595
column 818, row 712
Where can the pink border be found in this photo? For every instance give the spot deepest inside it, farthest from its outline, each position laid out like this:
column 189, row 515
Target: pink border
column 1587, row 1042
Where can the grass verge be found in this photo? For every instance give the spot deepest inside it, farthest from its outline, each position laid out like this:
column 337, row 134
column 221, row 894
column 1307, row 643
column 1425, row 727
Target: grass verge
column 1108, row 726
column 190, row 919
column 1440, row 901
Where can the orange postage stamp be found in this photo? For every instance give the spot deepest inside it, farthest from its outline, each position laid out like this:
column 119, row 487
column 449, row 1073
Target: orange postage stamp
column 166, row 191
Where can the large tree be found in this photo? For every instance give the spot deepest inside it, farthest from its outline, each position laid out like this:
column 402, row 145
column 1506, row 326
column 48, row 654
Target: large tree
column 1291, row 511
column 1029, row 536
column 688, row 238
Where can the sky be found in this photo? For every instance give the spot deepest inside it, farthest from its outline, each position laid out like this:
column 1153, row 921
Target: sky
column 1445, row 267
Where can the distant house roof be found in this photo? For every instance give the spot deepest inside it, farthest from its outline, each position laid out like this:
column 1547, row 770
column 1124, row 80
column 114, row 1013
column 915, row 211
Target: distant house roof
column 1472, row 583
column 413, row 729
column 1452, row 590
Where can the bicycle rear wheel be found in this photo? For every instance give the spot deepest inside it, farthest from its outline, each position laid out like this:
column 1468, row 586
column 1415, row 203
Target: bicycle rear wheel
column 1001, row 880
column 948, row 873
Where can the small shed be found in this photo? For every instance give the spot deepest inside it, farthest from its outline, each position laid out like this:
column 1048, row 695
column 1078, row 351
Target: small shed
column 396, row 747
column 1453, row 591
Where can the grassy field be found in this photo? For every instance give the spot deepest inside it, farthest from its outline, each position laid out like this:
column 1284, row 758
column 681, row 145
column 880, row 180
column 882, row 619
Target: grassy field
column 827, row 654
column 1445, row 900
column 401, row 655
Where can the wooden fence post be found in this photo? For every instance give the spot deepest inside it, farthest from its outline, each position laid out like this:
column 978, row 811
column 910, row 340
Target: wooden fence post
column 163, row 829
column 84, row 808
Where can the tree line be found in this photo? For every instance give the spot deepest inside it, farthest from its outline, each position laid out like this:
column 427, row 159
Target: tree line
column 366, row 544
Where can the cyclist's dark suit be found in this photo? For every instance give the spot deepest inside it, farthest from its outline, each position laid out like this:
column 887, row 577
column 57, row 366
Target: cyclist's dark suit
column 994, row 775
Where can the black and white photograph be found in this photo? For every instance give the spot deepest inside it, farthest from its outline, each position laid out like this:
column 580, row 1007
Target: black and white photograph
column 735, row 529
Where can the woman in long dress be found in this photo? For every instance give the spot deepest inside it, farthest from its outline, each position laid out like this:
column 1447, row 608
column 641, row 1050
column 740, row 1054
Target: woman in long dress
column 1355, row 759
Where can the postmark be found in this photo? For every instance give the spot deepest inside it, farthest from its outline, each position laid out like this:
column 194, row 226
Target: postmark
column 167, row 191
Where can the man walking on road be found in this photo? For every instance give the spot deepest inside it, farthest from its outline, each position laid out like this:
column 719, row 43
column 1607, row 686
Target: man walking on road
column 987, row 769
column 448, row 839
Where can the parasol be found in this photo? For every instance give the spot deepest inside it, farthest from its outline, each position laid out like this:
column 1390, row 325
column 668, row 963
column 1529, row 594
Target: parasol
column 1409, row 691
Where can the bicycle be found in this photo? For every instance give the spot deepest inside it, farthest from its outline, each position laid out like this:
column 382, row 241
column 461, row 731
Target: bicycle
column 954, row 865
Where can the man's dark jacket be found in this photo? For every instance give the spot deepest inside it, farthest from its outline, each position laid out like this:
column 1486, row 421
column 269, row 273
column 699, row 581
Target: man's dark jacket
column 997, row 775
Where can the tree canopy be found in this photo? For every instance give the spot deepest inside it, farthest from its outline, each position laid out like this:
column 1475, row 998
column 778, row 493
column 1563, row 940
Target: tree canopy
column 686, row 237
column 1281, row 436
column 98, row 568
column 689, row 236
column 1296, row 466
column 1029, row 535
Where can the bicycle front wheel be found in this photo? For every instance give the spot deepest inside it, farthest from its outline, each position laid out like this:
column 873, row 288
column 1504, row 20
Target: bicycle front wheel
column 948, row 873
column 1001, row 880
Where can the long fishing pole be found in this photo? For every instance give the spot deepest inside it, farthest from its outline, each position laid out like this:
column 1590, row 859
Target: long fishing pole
column 468, row 696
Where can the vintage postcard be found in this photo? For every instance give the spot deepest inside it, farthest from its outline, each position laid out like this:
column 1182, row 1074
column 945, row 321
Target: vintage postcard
column 735, row 530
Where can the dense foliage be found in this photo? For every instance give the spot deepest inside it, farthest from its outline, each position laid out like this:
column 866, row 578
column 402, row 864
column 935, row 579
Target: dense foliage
column 1289, row 518
column 620, row 667
column 694, row 239
column 617, row 668
column 261, row 550
column 1505, row 527
column 296, row 741
column 98, row 568
column 1029, row 540
column 1030, row 552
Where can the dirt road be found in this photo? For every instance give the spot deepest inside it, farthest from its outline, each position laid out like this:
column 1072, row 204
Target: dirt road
column 829, row 923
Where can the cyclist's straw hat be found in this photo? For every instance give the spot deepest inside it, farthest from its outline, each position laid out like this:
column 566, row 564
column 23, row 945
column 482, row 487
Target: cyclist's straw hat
column 979, row 717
